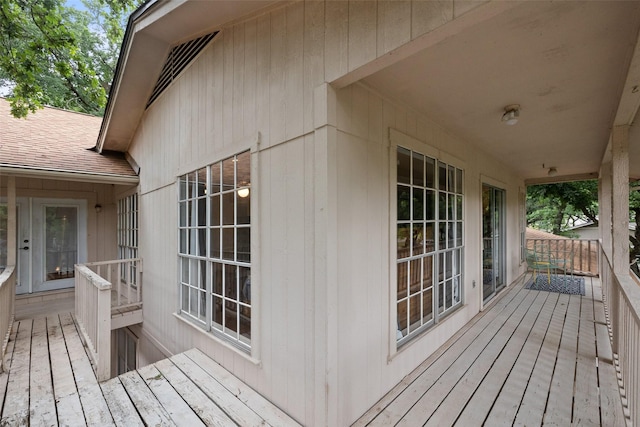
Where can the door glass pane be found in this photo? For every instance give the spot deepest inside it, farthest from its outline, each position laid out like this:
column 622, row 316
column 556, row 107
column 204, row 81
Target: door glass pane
column 61, row 241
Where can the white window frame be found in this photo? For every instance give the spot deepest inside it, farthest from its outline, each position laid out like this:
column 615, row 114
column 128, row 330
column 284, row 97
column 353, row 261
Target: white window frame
column 439, row 253
column 197, row 265
column 127, row 212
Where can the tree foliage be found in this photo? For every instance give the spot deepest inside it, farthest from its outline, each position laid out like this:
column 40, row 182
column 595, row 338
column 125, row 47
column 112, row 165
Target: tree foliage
column 558, row 207
column 52, row 54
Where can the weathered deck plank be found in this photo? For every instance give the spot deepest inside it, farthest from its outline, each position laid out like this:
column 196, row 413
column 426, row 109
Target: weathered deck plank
column 520, row 349
column 16, row 405
column 212, row 388
column 68, row 404
column 493, row 340
column 560, row 400
column 531, row 355
column 4, row 376
column 94, row 406
column 169, row 398
column 531, row 410
column 42, row 407
column 534, row 361
column 455, row 345
column 495, row 361
column 122, row 409
column 261, row 406
column 586, row 410
column 467, row 347
column 206, row 408
column 151, row 411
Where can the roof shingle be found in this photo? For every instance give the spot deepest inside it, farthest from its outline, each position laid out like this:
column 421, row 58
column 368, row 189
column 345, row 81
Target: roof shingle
column 56, row 140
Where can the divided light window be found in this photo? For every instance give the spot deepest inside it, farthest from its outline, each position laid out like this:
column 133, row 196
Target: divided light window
column 128, row 227
column 215, row 248
column 128, row 235
column 430, row 241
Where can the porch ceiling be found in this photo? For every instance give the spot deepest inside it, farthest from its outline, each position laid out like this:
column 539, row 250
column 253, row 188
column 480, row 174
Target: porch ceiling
column 565, row 63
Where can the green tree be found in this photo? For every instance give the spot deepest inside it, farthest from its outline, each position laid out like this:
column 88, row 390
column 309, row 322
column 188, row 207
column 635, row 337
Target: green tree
column 52, row 54
column 557, row 207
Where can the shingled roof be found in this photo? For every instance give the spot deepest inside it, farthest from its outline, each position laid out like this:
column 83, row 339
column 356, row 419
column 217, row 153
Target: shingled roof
column 58, row 142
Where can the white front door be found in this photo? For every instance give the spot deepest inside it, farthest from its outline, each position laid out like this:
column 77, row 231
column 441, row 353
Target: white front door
column 52, row 238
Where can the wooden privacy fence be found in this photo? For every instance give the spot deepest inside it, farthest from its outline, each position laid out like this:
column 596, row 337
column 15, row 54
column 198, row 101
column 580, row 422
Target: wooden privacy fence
column 100, row 288
column 583, row 253
column 7, row 298
column 622, row 303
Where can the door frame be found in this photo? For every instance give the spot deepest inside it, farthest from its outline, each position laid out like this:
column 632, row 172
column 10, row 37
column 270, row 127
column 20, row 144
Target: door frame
column 31, row 233
column 497, row 186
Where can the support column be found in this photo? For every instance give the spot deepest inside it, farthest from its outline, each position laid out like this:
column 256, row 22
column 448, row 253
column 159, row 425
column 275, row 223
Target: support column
column 620, row 199
column 11, row 221
column 605, row 191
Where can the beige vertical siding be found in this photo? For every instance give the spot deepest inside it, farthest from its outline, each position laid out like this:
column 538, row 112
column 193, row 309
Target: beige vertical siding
column 101, row 227
column 322, row 262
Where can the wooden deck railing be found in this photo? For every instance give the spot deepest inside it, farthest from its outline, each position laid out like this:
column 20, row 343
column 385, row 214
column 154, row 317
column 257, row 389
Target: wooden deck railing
column 125, row 275
column 583, row 253
column 622, row 305
column 7, row 298
column 96, row 284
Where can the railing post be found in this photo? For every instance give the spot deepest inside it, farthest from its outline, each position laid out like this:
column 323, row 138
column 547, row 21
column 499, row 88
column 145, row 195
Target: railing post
column 103, row 345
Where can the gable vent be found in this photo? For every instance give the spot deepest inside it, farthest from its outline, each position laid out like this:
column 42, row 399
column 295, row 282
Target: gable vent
column 179, row 57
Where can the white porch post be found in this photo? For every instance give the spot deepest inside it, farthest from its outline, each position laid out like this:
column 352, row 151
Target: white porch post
column 619, row 218
column 605, row 191
column 11, row 221
column 620, row 199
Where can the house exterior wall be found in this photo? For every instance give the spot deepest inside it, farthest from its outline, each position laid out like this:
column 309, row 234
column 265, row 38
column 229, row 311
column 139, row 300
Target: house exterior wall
column 368, row 364
column 101, row 227
column 320, row 201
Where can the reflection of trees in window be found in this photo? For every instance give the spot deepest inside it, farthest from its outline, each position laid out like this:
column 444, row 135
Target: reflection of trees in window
column 429, row 240
column 215, row 229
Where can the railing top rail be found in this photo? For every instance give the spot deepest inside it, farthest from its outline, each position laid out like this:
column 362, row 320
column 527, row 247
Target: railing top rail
column 97, row 281
column 116, row 261
column 629, row 289
column 8, row 271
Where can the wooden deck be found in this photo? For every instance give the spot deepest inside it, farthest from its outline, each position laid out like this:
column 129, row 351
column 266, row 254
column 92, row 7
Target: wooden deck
column 51, row 382
column 534, row 358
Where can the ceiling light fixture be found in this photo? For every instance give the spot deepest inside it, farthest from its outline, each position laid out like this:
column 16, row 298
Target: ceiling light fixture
column 511, row 114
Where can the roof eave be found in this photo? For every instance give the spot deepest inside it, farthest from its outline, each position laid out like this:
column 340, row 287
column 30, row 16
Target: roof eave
column 148, row 39
column 66, row 175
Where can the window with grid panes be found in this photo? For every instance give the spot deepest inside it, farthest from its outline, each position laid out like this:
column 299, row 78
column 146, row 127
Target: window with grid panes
column 429, row 241
column 215, row 248
column 128, row 234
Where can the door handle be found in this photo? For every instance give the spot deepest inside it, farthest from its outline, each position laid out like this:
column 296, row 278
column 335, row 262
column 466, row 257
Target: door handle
column 25, row 248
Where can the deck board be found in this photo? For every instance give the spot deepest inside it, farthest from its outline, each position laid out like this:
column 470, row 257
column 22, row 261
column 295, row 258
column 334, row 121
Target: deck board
column 68, row 404
column 207, row 410
column 518, row 355
column 467, row 347
column 122, row 409
column 186, row 390
column 531, row 358
column 534, row 361
column 42, row 407
column 168, row 397
column 16, row 405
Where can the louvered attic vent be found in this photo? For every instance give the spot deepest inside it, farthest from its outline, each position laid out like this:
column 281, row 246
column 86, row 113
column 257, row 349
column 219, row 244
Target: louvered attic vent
column 179, row 57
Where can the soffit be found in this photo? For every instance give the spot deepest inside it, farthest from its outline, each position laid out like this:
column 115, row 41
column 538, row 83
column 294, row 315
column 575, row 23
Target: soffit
column 564, row 62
